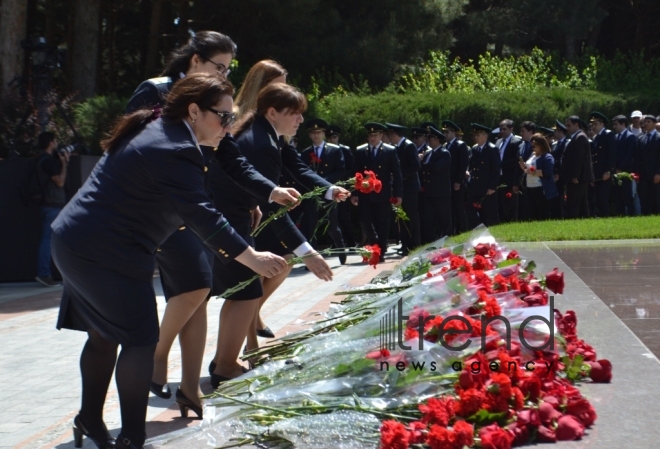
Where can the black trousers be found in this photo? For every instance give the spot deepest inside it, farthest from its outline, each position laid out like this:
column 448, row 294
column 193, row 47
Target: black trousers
column 409, row 230
column 458, row 216
column 649, row 196
column 507, row 207
column 375, row 218
column 577, row 203
column 561, row 189
column 600, row 198
column 623, row 198
column 538, row 207
column 436, row 221
column 485, row 213
column 344, row 216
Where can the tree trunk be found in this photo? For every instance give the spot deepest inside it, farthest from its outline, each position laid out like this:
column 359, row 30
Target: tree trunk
column 154, row 35
column 13, row 26
column 86, row 47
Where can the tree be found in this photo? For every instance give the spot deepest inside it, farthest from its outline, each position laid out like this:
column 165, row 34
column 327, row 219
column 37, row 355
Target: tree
column 85, row 58
column 13, row 26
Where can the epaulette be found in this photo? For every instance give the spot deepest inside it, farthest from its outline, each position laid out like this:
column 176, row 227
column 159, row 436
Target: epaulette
column 387, row 146
column 363, row 147
column 161, row 80
column 331, row 145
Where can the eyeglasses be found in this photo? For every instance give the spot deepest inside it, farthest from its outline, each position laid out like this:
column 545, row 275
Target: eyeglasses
column 226, row 118
column 220, row 67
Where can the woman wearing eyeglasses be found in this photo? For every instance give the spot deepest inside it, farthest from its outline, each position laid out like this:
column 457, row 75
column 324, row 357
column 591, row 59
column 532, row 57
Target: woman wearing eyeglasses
column 149, row 182
column 185, row 264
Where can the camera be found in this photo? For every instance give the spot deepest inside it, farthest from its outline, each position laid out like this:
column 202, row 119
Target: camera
column 68, row 149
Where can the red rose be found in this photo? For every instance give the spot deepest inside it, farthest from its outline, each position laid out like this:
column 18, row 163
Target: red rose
column 554, row 281
column 547, row 413
column 494, row 437
column 566, row 324
column 546, row 435
column 520, row 433
column 508, row 195
column 393, row 435
column 513, row 255
column 569, row 428
column 582, row 410
column 601, row 371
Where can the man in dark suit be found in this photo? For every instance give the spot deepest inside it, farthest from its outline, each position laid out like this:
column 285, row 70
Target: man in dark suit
column 603, row 160
column 647, row 165
column 484, row 175
column 625, row 147
column 508, row 146
column 576, row 170
column 410, row 166
column 343, row 209
column 418, row 137
column 527, row 130
column 426, row 126
column 327, row 160
column 460, row 156
column 374, row 209
column 558, row 148
column 436, row 189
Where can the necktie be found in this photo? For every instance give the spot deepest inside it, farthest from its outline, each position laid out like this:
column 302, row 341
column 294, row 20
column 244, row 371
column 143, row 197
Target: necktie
column 373, row 152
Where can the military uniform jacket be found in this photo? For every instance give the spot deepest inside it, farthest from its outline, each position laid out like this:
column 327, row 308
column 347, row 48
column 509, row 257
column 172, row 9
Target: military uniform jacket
column 149, row 94
column 603, row 153
column 484, row 168
column 436, row 173
column 410, row 165
column 270, row 156
column 386, row 167
column 576, row 162
column 625, row 148
column 460, row 157
column 140, row 194
column 510, row 166
column 557, row 153
column 647, row 160
column 332, row 167
column 349, row 161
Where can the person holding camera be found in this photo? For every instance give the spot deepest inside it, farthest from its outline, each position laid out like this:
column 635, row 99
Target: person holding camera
column 51, row 170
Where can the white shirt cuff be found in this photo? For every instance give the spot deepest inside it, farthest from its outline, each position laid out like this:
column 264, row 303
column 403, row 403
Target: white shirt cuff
column 330, row 192
column 270, row 197
column 303, row 249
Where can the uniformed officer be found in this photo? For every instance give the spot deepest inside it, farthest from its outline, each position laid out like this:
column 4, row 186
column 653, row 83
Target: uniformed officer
column 625, row 149
column 374, row 209
column 327, row 160
column 333, row 133
column 558, row 148
column 576, row 170
column 418, row 136
column 484, row 175
column 603, row 160
column 460, row 156
column 410, row 166
column 508, row 147
column 426, row 126
column 436, row 189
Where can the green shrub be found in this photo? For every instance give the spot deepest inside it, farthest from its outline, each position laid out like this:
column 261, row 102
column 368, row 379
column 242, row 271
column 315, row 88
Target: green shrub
column 95, row 117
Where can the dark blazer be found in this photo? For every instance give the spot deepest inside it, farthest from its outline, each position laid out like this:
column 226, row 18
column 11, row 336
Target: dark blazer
column 386, row 167
column 625, row 148
column 525, row 150
column 138, row 195
column 510, row 165
column 484, row 168
column 647, row 160
column 332, row 167
column 460, row 157
column 270, row 156
column 558, row 153
column 410, row 165
column 349, row 161
column 603, row 153
column 546, row 163
column 436, row 173
column 149, row 93
column 576, row 162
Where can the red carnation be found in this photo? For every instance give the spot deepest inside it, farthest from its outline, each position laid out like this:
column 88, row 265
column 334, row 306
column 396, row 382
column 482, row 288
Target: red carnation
column 393, row 435
column 441, row 438
column 368, row 182
column 554, row 281
column 464, row 434
column 371, row 255
column 532, row 169
column 392, row 200
column 314, row 158
column 476, row 205
column 494, row 437
column 437, row 411
column 508, row 195
column 635, row 177
column 601, row 371
column 416, row 431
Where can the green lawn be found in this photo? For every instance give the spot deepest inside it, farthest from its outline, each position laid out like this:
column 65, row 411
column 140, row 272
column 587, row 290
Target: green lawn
column 617, row 228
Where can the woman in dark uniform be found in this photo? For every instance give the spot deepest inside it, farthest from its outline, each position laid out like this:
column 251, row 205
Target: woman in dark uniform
column 279, row 112
column 184, row 263
column 149, row 183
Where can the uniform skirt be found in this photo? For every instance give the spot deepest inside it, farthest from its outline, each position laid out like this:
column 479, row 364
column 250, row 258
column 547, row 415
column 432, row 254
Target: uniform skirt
column 120, row 308
column 267, row 240
column 185, row 264
column 231, row 274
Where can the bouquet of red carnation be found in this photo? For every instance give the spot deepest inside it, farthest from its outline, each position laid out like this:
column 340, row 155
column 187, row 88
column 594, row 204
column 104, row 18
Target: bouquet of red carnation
column 371, row 254
column 368, row 182
column 315, row 160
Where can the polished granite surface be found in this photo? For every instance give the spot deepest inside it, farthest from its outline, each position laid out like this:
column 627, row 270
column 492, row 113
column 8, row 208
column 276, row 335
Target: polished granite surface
column 626, row 277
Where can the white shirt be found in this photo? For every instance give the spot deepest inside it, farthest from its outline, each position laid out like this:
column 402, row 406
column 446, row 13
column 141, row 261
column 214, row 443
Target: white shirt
column 505, row 142
column 533, row 180
column 635, row 131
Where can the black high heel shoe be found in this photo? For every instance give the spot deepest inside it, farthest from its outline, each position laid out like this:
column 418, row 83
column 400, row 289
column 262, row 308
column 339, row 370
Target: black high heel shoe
column 102, row 441
column 124, row 443
column 217, row 379
column 265, row 333
column 162, row 391
column 185, row 404
column 211, row 367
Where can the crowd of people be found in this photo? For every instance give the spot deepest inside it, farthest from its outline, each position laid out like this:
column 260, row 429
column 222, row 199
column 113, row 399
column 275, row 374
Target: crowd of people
column 187, row 174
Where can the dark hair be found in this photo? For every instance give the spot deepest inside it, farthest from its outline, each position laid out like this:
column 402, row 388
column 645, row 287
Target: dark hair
column 507, row 122
column 260, row 75
column 45, row 139
column 203, row 89
column 206, row 44
column 276, row 95
column 621, row 119
column 651, row 117
column 574, row 119
column 529, row 126
column 541, row 141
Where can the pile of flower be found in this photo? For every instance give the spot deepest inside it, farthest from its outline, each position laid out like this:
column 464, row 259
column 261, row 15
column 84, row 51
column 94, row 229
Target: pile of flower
column 342, row 383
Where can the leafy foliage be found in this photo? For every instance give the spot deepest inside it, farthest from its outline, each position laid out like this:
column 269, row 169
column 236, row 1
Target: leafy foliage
column 95, row 116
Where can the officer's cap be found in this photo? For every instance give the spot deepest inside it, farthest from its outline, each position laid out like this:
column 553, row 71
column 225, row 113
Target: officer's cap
column 316, row 124
column 477, row 127
column 427, row 126
column 597, row 116
column 400, row 130
column 333, row 130
column 546, row 131
column 448, row 125
column 560, row 125
column 416, row 132
column 374, row 127
column 436, row 132
column 495, row 130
